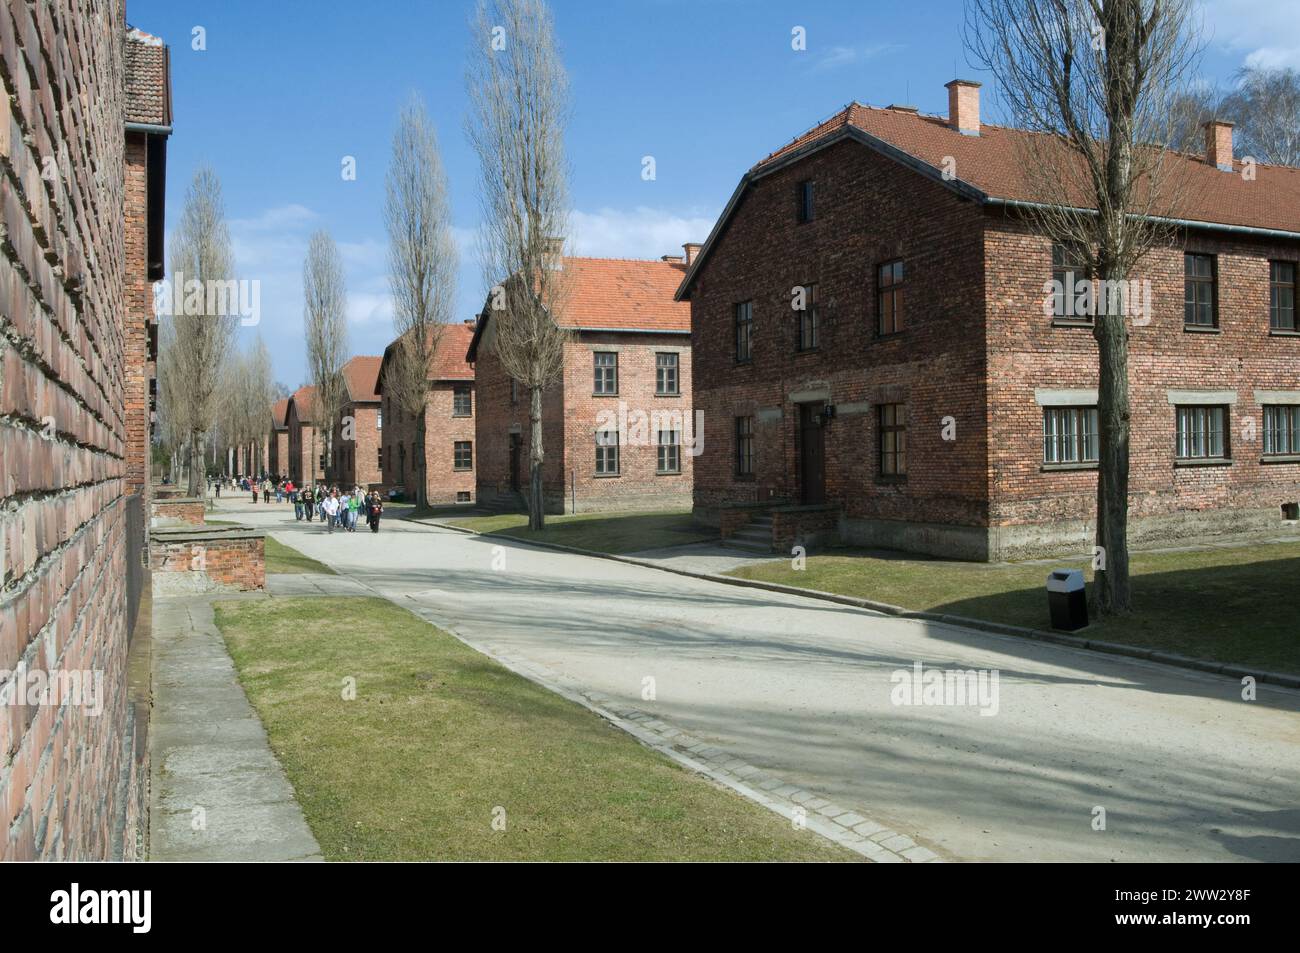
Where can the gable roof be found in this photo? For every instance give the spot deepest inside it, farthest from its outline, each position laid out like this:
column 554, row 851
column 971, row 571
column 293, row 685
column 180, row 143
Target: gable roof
column 360, row 377
column 303, row 401
column 617, row 294
column 447, row 363
column 991, row 170
column 280, row 414
column 147, row 63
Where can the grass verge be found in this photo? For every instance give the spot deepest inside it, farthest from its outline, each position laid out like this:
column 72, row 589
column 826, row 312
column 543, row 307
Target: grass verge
column 598, row 532
column 1227, row 605
column 439, row 737
column 281, row 558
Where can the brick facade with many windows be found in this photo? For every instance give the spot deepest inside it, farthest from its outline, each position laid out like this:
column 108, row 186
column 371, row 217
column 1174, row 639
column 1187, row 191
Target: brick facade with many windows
column 925, row 392
column 357, row 435
column 446, row 461
column 617, row 429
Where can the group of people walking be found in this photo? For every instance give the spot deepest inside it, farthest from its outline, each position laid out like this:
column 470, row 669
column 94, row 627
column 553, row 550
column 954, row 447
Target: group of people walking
column 338, row 508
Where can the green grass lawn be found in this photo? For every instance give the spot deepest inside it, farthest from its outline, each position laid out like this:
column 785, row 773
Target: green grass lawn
column 599, row 532
column 438, row 736
column 1228, row 605
column 282, row 558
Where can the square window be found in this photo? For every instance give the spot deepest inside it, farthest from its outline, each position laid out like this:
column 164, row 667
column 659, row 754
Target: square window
column 1281, row 430
column 1070, row 435
column 1201, row 433
column 462, row 401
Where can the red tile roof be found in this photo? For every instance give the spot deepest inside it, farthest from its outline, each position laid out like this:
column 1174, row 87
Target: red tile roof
column 360, row 375
column 280, row 414
column 448, row 361
column 304, row 402
column 148, row 79
column 993, row 162
column 992, row 166
column 618, row 294
column 624, row 294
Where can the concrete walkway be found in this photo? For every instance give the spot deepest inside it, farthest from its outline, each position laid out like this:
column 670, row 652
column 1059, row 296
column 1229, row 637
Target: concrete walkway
column 801, row 691
column 217, row 791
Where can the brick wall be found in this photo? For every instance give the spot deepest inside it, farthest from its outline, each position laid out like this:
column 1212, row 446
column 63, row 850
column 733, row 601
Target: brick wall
column 63, row 262
column 570, row 415
column 139, row 316
column 306, row 447
column 357, row 460
column 869, row 210
column 185, row 509
column 1028, row 351
column 975, row 350
column 443, row 428
column 216, row 558
column 279, row 452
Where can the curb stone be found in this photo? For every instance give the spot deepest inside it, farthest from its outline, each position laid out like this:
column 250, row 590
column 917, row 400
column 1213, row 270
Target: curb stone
column 1229, row 670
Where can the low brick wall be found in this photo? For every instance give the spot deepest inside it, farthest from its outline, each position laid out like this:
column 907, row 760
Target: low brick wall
column 213, row 558
column 165, row 491
column 732, row 517
column 805, row 526
column 186, row 509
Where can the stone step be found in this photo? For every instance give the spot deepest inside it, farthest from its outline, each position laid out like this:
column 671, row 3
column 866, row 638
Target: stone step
column 749, row 546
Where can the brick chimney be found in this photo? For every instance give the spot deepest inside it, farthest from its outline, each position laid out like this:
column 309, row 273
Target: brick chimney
column 1218, row 144
column 553, row 253
column 964, row 106
column 692, row 250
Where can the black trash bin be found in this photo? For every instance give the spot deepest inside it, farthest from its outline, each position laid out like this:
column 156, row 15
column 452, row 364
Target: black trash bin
column 1067, row 599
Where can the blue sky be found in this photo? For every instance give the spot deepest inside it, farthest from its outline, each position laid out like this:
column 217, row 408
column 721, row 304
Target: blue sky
column 284, row 90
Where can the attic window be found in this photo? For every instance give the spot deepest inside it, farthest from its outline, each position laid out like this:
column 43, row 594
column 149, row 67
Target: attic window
column 805, row 198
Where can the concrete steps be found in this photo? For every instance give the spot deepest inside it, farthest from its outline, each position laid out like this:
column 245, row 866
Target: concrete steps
column 754, row 537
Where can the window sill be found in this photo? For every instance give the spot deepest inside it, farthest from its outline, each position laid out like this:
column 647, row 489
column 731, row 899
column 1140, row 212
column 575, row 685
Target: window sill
column 891, row 479
column 744, row 478
column 1202, row 329
column 1071, row 322
column 668, row 473
column 806, row 351
column 608, row 476
column 1283, row 333
column 1204, row 462
column 594, row 394
column 1281, row 458
column 1066, row 467
column 461, row 416
column 674, row 394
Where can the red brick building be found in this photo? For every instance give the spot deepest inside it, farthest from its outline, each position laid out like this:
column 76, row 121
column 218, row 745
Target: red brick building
column 617, row 429
column 306, row 446
column 84, row 116
column 278, row 439
column 356, row 437
column 924, row 399
column 446, row 461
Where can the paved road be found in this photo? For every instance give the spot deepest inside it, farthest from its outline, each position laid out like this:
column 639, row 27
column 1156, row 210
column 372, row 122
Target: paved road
column 1185, row 770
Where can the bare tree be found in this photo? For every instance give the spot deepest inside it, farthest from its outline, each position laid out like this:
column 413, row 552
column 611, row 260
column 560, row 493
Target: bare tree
column 1095, row 80
column 327, row 335
column 204, row 330
column 519, row 91
column 422, row 263
column 1266, row 109
column 246, row 401
column 173, row 427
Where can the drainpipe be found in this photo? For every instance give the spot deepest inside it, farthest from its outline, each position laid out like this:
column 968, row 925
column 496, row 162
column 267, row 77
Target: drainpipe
column 573, row 488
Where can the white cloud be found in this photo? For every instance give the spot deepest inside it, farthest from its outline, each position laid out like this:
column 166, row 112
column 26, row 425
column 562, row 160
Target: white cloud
column 1261, row 33
column 641, row 232
column 837, row 56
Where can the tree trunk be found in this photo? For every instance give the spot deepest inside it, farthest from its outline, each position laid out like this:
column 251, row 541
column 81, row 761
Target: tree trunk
column 536, row 515
column 195, row 463
column 422, row 481
column 1110, row 587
